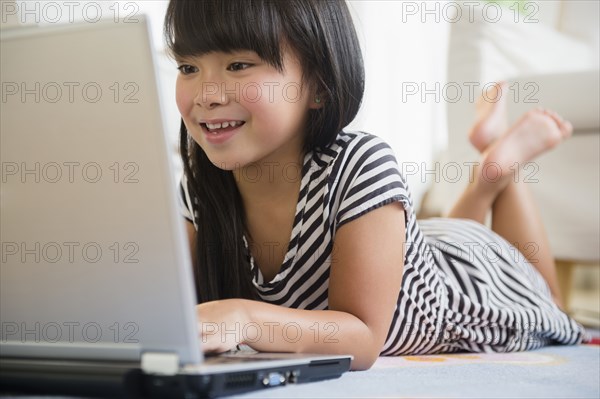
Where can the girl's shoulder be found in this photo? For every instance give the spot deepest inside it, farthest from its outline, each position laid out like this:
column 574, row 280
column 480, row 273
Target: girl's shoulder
column 362, row 174
column 358, row 158
column 351, row 148
column 346, row 139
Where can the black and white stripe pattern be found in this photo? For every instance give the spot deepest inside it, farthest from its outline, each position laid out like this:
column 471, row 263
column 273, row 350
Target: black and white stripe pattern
column 464, row 288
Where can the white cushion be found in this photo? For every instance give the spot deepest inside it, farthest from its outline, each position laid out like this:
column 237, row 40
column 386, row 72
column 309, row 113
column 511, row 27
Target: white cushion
column 567, row 190
column 563, row 69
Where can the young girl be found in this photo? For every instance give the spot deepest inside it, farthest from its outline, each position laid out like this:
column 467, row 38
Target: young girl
column 304, row 237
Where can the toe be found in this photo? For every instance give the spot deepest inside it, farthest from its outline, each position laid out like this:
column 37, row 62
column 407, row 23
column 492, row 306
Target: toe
column 567, row 129
column 555, row 117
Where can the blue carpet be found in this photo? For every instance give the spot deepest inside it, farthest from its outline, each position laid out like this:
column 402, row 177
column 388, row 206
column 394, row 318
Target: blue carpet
column 551, row 372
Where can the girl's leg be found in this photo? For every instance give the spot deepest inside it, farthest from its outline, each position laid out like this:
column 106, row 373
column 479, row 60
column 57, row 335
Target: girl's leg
column 516, row 204
column 477, row 200
column 514, row 213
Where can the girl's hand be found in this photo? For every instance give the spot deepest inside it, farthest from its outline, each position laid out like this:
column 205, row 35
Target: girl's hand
column 221, row 324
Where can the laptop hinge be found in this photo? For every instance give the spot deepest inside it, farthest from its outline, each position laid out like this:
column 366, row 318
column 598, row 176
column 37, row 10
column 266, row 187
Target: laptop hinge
column 164, row 363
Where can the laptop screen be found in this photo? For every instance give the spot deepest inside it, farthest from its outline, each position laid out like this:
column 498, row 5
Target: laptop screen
column 94, row 260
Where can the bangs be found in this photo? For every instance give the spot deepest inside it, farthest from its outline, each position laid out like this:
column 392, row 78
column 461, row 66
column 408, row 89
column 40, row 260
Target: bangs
column 320, row 33
column 194, row 28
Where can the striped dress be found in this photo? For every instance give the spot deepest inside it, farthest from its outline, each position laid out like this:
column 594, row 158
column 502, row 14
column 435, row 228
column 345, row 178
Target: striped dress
column 464, row 288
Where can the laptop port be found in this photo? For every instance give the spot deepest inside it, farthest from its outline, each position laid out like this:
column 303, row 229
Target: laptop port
column 273, row 379
column 292, row 376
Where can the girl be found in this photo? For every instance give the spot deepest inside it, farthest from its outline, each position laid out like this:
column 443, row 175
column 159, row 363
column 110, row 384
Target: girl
column 304, row 237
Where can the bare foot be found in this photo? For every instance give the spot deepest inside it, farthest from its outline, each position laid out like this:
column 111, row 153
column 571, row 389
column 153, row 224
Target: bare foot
column 492, row 119
column 533, row 134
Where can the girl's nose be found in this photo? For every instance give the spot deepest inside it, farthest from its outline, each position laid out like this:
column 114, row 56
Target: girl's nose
column 211, row 95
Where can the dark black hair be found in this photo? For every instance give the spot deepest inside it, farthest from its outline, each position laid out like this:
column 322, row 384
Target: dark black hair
column 322, row 35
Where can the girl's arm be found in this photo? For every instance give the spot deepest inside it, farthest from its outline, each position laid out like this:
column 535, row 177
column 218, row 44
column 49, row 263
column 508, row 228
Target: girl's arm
column 364, row 284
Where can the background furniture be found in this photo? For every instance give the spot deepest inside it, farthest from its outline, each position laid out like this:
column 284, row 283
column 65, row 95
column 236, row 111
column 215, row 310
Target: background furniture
column 549, row 54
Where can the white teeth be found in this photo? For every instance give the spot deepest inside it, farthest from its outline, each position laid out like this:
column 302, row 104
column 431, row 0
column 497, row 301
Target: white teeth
column 223, row 125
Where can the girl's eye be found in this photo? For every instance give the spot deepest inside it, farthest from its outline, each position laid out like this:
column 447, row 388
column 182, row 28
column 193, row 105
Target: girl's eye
column 187, row 69
column 238, row 66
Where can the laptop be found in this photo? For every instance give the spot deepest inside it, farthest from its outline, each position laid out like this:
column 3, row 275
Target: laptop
column 96, row 288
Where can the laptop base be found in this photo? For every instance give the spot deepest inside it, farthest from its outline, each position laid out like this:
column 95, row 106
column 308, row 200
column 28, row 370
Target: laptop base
column 126, row 380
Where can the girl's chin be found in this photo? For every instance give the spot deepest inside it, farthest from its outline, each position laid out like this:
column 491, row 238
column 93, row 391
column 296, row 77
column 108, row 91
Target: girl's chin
column 226, row 163
column 230, row 159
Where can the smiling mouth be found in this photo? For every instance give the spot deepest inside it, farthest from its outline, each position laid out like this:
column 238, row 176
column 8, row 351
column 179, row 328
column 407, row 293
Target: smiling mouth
column 221, row 127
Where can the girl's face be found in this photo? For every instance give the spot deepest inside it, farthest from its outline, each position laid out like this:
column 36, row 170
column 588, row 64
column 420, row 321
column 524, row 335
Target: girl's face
column 240, row 109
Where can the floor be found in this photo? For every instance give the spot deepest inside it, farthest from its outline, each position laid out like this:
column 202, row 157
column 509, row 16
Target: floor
column 549, row 372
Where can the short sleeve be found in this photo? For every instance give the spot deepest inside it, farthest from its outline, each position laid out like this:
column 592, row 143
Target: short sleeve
column 370, row 178
column 185, row 203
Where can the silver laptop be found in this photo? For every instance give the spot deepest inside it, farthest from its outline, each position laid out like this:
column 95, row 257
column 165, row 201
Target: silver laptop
column 96, row 288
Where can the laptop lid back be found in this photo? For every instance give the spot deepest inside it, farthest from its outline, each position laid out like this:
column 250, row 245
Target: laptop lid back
column 94, row 258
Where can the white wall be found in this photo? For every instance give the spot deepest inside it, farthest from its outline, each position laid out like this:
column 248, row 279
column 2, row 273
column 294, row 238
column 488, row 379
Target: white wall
column 403, row 54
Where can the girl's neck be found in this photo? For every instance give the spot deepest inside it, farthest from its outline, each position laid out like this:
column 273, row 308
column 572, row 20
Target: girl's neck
column 272, row 179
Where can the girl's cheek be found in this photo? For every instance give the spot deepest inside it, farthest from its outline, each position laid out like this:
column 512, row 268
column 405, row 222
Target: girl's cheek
column 253, row 93
column 184, row 98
